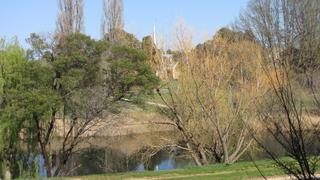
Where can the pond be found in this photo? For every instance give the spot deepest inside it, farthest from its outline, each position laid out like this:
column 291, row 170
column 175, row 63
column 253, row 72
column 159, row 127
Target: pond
column 123, row 154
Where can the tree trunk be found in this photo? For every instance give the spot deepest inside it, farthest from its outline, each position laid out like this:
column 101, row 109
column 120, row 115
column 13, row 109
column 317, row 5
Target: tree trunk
column 43, row 142
column 198, row 155
column 47, row 163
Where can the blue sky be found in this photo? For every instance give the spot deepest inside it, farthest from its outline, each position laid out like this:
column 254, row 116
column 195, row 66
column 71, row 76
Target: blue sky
column 22, row 17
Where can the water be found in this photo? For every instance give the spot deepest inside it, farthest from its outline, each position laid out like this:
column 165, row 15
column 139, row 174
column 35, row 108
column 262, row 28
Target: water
column 125, row 153
column 97, row 161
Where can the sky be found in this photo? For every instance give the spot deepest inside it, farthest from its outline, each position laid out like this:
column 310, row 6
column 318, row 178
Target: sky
column 21, row 17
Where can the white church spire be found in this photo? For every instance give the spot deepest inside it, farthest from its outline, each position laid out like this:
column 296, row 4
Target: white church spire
column 154, row 34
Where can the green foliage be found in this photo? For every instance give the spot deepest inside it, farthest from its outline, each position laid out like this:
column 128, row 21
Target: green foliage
column 76, row 63
column 29, row 92
column 10, row 53
column 130, row 74
column 26, row 95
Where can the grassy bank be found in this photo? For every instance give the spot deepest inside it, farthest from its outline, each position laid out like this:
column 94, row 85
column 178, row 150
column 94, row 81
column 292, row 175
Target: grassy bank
column 241, row 170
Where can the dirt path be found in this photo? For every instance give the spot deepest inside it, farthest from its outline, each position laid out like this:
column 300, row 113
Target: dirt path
column 179, row 176
column 170, row 176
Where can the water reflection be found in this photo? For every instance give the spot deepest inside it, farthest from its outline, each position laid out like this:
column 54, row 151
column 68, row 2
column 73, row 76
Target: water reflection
column 123, row 154
column 97, row 161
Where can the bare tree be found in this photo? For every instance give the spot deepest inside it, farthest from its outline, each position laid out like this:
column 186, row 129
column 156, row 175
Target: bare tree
column 70, row 17
column 112, row 19
column 289, row 32
column 212, row 103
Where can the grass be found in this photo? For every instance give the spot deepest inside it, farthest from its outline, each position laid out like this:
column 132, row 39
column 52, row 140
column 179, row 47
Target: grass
column 241, row 170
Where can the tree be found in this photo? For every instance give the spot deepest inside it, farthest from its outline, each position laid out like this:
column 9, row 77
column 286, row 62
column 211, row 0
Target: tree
column 10, row 55
column 153, row 54
column 88, row 84
column 26, row 97
column 212, row 103
column 112, row 19
column 289, row 33
column 70, row 17
column 75, row 63
column 130, row 75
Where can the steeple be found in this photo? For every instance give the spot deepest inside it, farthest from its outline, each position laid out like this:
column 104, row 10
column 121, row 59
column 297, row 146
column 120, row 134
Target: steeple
column 154, row 34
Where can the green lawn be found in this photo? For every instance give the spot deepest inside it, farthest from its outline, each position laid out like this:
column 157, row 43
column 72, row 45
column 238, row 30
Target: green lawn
column 241, row 170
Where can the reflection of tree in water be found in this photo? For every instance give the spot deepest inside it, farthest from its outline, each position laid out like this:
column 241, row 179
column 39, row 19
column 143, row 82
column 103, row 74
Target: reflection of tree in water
column 27, row 165
column 88, row 161
column 116, row 161
column 168, row 158
column 153, row 161
column 96, row 161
